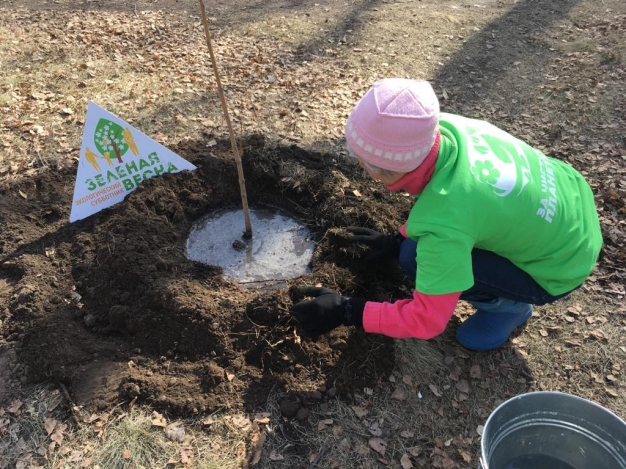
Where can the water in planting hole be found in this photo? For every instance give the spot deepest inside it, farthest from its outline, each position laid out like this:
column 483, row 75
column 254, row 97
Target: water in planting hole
column 280, row 248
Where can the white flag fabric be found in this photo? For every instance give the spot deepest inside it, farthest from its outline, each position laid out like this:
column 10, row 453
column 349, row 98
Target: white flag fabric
column 114, row 159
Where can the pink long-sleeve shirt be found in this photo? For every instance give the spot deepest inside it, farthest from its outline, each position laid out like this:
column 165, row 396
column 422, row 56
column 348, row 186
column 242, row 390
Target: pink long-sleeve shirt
column 424, row 316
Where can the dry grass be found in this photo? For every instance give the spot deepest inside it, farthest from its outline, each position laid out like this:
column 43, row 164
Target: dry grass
column 418, row 358
column 338, row 434
column 126, row 439
column 23, row 437
column 134, row 443
column 571, row 360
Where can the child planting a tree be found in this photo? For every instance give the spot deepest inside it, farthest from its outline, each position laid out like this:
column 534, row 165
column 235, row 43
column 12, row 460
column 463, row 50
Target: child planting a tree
column 495, row 222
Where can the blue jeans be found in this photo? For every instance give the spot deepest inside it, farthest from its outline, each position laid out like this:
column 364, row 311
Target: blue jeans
column 494, row 277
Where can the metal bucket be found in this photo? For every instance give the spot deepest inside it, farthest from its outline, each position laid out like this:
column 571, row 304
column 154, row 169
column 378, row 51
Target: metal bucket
column 552, row 430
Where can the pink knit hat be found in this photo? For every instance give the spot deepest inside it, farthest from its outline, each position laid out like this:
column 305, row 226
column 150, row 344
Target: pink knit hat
column 394, row 124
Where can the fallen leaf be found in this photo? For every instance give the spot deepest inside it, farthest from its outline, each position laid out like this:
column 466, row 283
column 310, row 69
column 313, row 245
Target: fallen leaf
column 241, row 421
column 208, row 421
column 596, row 377
column 274, row 456
column 360, row 412
column 573, row 343
column 186, row 455
column 57, row 435
column 175, row 432
column 258, row 449
column 405, row 461
column 475, row 372
column 407, row 434
column 463, row 386
column 345, row 445
column 49, row 424
column 323, row 424
column 434, row 390
column 466, row 456
column 611, row 392
column 158, row 420
column 75, row 456
column 399, row 394
column 598, row 335
column 262, row 418
column 442, row 461
column 15, row 406
column 379, row 445
column 415, row 451
column 361, row 449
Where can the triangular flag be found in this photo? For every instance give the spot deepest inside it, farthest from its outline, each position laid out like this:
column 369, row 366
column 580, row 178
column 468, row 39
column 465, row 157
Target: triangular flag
column 114, row 159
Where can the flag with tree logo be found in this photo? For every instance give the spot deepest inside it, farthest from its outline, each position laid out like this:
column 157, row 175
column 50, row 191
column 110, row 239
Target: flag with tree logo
column 114, row 159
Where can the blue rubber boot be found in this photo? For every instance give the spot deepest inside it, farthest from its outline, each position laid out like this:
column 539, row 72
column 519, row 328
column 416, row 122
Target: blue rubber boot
column 492, row 324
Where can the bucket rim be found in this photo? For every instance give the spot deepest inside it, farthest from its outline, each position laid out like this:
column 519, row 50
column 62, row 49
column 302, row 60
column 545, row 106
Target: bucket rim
column 483, row 442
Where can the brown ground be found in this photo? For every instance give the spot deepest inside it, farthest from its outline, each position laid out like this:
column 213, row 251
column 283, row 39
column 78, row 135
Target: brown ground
column 92, row 296
column 110, row 307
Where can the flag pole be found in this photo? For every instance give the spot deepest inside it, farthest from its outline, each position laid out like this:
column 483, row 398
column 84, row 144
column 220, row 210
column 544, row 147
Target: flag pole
column 233, row 141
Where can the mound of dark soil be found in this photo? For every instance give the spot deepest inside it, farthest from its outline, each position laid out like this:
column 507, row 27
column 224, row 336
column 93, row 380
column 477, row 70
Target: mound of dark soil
column 111, row 307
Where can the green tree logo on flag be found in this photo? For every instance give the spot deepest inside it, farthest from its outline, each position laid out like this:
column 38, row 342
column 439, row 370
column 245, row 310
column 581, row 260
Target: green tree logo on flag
column 114, row 141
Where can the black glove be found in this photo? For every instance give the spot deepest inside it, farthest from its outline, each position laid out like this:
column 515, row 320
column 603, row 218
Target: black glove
column 382, row 245
column 326, row 311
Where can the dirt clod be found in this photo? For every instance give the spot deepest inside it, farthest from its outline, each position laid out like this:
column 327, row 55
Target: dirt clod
column 289, row 407
column 302, row 414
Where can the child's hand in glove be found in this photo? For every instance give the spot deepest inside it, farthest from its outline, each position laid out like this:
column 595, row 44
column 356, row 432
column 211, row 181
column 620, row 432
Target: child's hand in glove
column 326, row 311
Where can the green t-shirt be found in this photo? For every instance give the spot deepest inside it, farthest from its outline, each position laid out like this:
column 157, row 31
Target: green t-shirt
column 492, row 191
